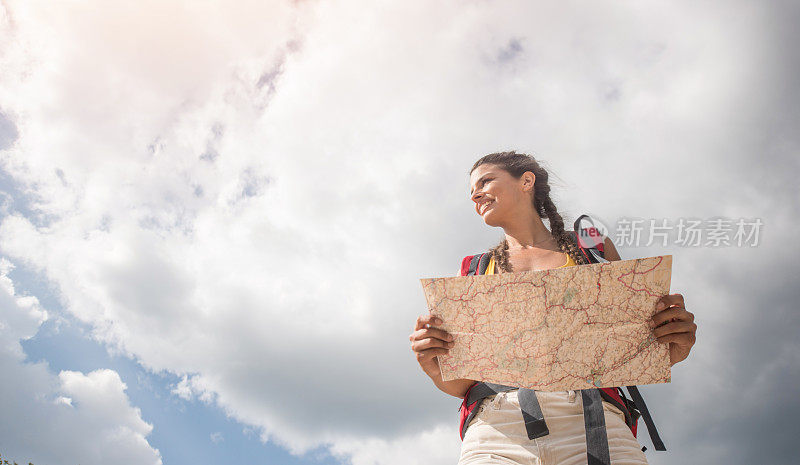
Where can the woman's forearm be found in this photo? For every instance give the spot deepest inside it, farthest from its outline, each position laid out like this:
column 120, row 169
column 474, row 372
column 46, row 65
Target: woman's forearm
column 456, row 387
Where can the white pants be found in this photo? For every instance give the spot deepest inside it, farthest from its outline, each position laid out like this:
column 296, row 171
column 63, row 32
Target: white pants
column 497, row 435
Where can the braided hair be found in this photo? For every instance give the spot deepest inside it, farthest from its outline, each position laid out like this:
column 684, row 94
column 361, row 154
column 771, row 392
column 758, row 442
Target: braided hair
column 516, row 164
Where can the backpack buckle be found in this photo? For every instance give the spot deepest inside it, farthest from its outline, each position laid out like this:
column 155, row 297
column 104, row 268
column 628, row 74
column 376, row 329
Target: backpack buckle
column 635, row 414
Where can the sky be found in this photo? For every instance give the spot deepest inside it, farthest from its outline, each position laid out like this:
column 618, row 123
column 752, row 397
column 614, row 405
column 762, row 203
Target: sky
column 214, row 216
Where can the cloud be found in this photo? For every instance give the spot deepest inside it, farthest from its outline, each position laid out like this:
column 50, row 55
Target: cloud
column 8, row 132
column 72, row 417
column 247, row 197
column 432, row 444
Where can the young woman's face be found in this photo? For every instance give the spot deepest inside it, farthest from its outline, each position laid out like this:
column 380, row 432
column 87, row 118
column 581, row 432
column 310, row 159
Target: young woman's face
column 497, row 194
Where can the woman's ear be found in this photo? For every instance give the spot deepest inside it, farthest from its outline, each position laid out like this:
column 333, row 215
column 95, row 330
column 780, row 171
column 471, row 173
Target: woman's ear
column 528, row 180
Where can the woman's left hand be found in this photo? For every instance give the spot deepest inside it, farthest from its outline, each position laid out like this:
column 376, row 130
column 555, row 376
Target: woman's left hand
column 674, row 325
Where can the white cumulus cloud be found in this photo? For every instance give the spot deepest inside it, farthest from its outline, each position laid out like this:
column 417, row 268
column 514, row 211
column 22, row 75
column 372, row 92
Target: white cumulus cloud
column 247, row 196
column 69, row 418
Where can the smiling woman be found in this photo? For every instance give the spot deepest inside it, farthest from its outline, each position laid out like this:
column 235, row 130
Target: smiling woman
column 511, row 191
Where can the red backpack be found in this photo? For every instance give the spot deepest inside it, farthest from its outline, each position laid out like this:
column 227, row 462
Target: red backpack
column 594, row 419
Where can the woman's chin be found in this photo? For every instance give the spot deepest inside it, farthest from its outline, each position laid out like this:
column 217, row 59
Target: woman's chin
column 489, row 219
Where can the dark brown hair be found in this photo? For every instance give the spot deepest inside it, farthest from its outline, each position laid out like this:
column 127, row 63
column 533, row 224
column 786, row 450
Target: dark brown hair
column 516, row 164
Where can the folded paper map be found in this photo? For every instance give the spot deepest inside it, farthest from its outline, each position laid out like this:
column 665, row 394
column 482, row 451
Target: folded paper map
column 568, row 328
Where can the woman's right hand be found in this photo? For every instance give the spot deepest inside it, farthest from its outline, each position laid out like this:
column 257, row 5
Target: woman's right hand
column 428, row 342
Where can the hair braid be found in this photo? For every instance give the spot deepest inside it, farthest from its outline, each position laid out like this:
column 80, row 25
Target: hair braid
column 500, row 254
column 558, row 232
column 517, row 164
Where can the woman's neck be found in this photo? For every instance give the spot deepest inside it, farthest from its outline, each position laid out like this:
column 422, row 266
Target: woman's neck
column 530, row 235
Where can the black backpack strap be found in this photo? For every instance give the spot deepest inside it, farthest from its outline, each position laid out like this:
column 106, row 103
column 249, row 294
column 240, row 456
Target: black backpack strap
column 594, row 421
column 477, row 393
column 479, row 263
column 483, row 390
column 531, row 410
column 532, row 414
column 484, row 263
column 473, row 264
column 630, row 417
column 593, row 254
column 648, row 420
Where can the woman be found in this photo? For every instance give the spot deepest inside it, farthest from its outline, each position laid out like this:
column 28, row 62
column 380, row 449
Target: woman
column 511, row 191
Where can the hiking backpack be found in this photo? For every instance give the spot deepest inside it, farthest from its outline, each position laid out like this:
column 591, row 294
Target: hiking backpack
column 590, row 244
